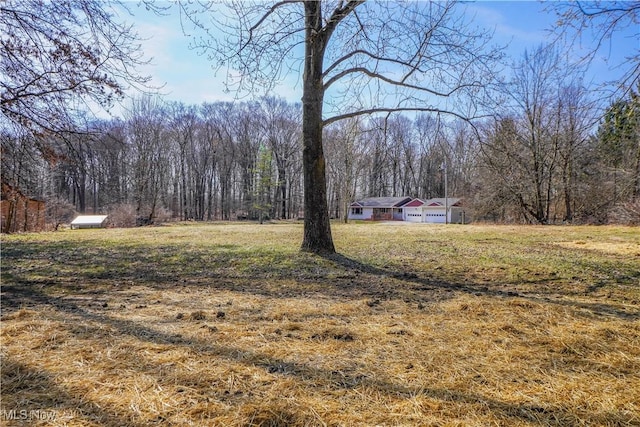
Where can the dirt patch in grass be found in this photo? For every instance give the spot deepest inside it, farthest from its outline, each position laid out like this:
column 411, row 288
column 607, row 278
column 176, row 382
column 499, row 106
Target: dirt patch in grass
column 230, row 325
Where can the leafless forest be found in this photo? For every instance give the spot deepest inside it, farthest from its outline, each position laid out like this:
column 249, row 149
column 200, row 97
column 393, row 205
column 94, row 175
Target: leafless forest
column 551, row 150
column 228, row 161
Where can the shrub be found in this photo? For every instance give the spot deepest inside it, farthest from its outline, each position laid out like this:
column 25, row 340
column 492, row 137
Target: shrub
column 627, row 213
column 59, row 211
column 122, row 215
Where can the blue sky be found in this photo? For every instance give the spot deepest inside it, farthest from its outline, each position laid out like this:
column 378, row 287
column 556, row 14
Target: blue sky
column 188, row 77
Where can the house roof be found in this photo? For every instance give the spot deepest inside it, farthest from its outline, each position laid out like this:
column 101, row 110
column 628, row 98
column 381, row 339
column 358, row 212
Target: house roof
column 382, row 202
column 407, row 202
column 414, row 203
column 438, row 202
column 89, row 220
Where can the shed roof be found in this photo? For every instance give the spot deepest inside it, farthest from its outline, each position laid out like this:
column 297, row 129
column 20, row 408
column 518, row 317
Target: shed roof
column 89, row 220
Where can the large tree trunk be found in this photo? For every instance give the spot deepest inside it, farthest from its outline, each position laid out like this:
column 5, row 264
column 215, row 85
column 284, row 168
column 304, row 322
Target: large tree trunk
column 317, row 229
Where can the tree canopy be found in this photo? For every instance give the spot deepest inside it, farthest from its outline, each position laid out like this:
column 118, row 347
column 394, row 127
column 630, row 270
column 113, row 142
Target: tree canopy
column 61, row 58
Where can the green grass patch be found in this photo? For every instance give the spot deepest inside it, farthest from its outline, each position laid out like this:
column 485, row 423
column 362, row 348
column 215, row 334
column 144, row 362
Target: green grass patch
column 230, row 324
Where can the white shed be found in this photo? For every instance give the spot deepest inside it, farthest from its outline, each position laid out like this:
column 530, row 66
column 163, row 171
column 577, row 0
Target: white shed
column 89, row 221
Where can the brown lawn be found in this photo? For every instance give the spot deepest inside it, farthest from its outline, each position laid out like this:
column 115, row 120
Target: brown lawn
column 230, row 325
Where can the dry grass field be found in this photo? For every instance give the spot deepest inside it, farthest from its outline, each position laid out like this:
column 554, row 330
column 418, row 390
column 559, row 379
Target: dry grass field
column 411, row 325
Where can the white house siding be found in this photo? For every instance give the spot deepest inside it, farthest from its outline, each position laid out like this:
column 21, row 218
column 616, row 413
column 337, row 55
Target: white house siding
column 367, row 213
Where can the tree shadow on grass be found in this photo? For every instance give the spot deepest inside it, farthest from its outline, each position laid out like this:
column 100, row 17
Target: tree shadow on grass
column 84, row 268
column 30, row 395
column 418, row 284
column 63, row 276
column 19, row 381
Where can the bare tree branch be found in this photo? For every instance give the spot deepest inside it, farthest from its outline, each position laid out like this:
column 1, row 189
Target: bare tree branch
column 59, row 56
column 605, row 20
column 398, row 83
column 370, row 111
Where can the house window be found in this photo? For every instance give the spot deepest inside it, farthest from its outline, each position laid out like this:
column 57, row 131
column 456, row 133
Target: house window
column 356, row 211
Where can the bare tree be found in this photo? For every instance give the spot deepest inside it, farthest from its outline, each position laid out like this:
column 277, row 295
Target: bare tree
column 345, row 146
column 379, row 174
column 428, row 134
column 462, row 152
column 410, row 56
column 505, row 173
column 535, row 91
column 19, row 160
column 279, row 120
column 600, row 21
column 533, row 152
column 574, row 116
column 59, row 58
column 219, row 119
column 248, row 137
column 149, row 152
column 183, row 128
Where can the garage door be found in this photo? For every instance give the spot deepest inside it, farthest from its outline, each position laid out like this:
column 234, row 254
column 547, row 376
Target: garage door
column 413, row 215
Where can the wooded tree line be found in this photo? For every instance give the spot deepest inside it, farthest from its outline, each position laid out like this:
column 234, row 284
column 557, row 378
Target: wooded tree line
column 549, row 150
column 171, row 161
column 542, row 161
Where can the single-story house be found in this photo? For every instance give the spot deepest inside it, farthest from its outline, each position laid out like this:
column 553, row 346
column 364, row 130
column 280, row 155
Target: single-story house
column 410, row 210
column 379, row 208
column 89, row 221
